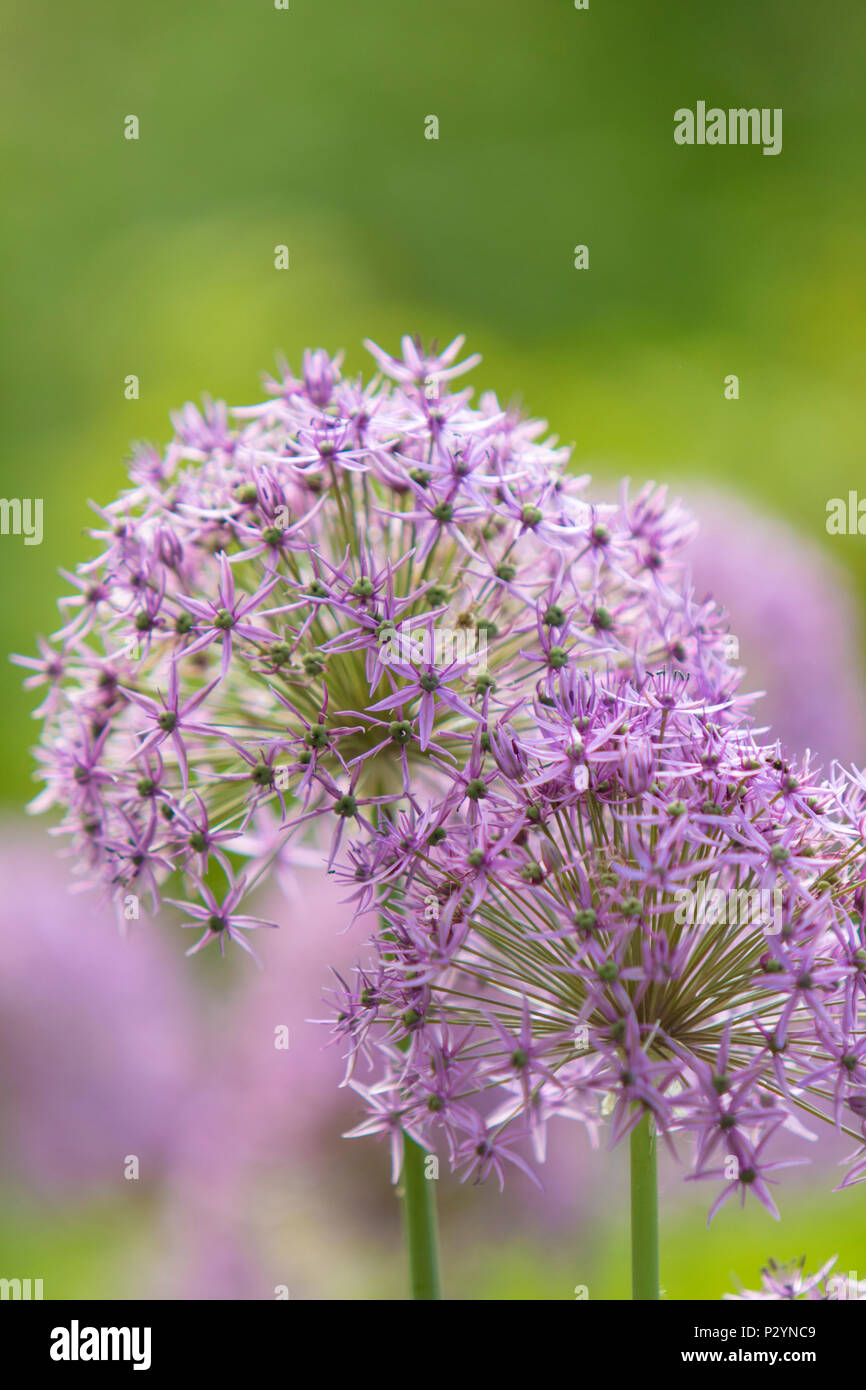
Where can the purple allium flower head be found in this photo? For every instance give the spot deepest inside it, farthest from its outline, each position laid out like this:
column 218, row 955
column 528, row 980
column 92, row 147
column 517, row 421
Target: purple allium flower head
column 677, row 932
column 311, row 609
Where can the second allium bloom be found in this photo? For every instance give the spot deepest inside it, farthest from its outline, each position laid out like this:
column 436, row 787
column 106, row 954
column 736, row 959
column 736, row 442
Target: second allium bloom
column 628, row 908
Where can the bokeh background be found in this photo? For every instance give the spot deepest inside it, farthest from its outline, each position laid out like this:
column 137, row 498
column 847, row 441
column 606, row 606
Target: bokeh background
column 305, row 127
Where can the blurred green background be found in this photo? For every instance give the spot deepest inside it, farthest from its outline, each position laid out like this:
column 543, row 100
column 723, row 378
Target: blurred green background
column 306, row 127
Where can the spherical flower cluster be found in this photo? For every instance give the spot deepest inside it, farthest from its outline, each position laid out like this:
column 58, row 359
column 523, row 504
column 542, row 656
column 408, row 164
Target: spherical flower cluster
column 305, row 610
column 628, row 908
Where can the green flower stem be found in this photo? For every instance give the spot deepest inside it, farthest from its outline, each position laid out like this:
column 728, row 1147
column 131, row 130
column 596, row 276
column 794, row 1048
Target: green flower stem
column 644, row 1211
column 420, row 1220
column 419, row 1216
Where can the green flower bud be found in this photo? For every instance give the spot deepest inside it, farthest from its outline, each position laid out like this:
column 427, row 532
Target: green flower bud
column 602, row 619
column 554, row 617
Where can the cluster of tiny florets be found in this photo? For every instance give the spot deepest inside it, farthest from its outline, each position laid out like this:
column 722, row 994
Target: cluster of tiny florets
column 382, row 610
column 639, row 911
column 303, row 610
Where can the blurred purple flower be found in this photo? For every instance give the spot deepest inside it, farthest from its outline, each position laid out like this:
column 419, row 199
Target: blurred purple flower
column 796, row 618
column 110, row 1048
column 96, row 1034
